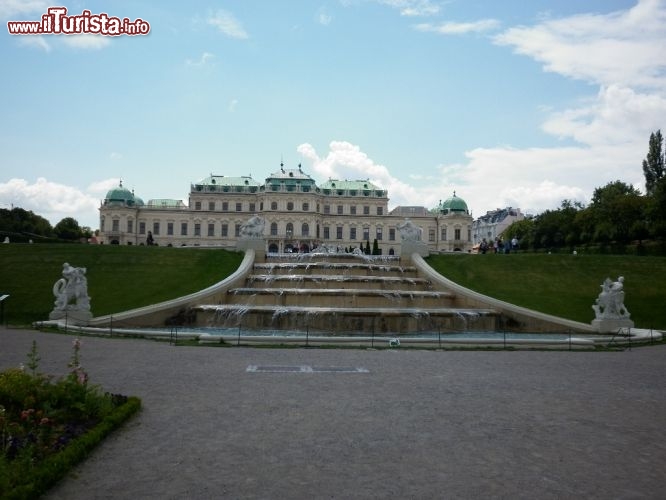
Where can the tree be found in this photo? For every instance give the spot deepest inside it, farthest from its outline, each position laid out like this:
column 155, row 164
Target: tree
column 375, row 247
column 656, row 210
column 523, row 231
column 367, row 247
column 25, row 223
column 616, row 208
column 653, row 165
column 68, row 229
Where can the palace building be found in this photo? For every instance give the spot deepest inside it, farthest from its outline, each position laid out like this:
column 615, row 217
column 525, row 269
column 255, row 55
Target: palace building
column 299, row 215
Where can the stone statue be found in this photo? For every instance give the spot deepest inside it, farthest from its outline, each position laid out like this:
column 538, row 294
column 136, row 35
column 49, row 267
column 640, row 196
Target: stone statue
column 610, row 303
column 409, row 231
column 71, row 291
column 71, row 294
column 253, row 228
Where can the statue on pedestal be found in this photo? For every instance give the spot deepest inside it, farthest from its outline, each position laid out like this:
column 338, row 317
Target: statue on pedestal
column 610, row 312
column 71, row 294
column 610, row 303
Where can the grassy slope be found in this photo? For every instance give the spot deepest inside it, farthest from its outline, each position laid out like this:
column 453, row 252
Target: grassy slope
column 119, row 277
column 563, row 285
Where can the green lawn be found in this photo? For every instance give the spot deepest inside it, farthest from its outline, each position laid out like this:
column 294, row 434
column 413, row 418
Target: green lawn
column 119, row 277
column 562, row 284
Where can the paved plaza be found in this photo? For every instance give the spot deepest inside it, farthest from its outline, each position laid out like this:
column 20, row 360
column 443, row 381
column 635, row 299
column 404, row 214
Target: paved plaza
column 355, row 423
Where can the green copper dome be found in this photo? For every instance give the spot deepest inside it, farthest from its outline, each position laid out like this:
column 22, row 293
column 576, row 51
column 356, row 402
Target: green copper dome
column 121, row 196
column 453, row 204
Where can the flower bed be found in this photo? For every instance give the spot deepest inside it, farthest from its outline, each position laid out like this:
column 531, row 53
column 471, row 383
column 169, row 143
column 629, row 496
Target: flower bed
column 47, row 425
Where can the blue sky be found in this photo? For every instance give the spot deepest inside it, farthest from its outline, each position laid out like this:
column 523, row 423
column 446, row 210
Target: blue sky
column 506, row 102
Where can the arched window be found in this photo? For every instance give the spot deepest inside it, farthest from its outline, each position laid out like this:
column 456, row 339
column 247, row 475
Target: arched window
column 274, row 229
column 274, row 205
column 290, row 230
column 305, row 229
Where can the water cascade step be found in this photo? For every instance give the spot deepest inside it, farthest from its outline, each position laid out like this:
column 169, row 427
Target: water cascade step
column 341, row 294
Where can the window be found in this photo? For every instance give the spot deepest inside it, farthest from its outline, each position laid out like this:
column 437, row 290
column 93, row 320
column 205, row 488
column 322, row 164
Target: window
column 306, row 207
column 431, row 235
column 338, row 232
column 305, row 229
column 457, row 234
column 379, row 233
column 392, row 234
column 273, row 205
column 115, row 223
column 183, row 228
column 340, row 209
column 225, row 206
column 290, row 230
column 380, row 210
column 469, row 235
column 252, row 207
column 290, row 205
column 211, row 229
column 211, row 205
column 239, row 207
column 156, row 228
column 352, row 233
column 366, row 210
column 443, row 237
column 130, row 226
column 197, row 229
column 142, row 228
column 237, row 230
column 225, row 230
column 327, row 209
column 273, row 228
column 197, row 205
column 352, row 210
column 327, row 232
column 366, row 234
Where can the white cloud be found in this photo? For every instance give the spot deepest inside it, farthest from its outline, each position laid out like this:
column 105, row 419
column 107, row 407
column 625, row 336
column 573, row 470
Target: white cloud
column 226, row 23
column 51, row 200
column 412, row 8
column 116, row 156
column 85, row 42
column 15, row 10
column 346, row 161
column 323, row 17
column 232, row 105
column 452, row 28
column 617, row 115
column 624, row 48
column 202, row 61
column 34, row 41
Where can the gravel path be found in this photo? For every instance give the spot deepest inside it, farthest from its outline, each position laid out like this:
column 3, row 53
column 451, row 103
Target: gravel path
column 418, row 424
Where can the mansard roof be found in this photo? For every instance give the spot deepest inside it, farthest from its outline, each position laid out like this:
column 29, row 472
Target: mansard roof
column 352, row 188
column 290, row 176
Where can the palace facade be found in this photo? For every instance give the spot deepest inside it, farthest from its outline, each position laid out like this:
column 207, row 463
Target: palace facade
column 299, row 215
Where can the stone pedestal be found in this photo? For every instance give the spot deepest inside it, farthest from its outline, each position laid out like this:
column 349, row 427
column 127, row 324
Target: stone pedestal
column 256, row 244
column 73, row 316
column 611, row 325
column 409, row 247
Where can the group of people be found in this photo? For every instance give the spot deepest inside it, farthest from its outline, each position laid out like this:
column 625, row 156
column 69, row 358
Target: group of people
column 498, row 246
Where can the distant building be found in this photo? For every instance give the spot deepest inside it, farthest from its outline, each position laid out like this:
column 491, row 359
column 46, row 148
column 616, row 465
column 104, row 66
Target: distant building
column 299, row 215
column 493, row 224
